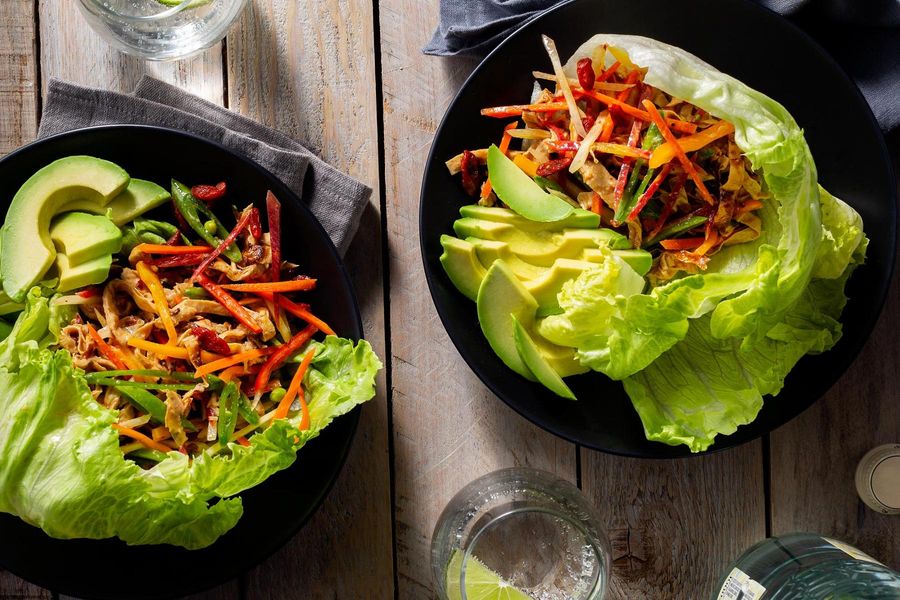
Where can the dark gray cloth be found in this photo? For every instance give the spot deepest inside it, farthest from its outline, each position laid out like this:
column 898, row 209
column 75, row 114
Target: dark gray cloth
column 336, row 199
column 863, row 35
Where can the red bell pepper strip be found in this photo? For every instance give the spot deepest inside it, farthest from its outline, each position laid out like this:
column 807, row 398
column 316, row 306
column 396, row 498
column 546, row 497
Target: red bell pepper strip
column 209, row 193
column 669, row 206
column 242, row 224
column 608, row 72
column 225, row 299
column 625, row 169
column 280, row 355
column 184, row 260
column 273, row 210
column 168, row 249
column 651, row 189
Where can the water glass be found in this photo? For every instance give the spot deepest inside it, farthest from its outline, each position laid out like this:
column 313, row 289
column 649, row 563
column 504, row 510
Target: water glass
column 520, row 534
column 161, row 29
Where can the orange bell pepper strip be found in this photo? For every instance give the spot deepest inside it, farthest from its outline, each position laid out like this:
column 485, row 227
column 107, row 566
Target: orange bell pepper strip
column 166, row 249
column 227, row 300
column 159, row 349
column 148, row 276
column 691, row 143
column 526, row 164
column 679, row 151
column 107, row 350
column 281, row 354
column 291, row 285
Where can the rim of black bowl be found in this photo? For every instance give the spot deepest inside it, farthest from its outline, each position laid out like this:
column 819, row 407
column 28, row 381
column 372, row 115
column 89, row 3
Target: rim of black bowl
column 722, row 442
column 351, row 419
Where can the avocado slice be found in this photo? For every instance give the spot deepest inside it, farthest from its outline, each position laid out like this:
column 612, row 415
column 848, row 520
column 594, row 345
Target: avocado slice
column 546, row 287
column 540, row 247
column 462, row 265
column 579, row 218
column 537, row 364
column 500, row 296
column 82, row 237
column 82, row 179
column 139, row 197
column 519, row 191
column 87, row 273
column 488, row 251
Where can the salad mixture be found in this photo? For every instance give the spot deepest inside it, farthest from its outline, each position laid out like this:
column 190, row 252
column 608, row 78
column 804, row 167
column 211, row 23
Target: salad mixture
column 156, row 366
column 653, row 219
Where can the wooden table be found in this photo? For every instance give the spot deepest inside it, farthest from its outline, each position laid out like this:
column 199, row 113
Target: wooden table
column 348, row 78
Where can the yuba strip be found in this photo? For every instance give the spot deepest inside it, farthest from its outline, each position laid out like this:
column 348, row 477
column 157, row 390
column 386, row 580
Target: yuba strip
column 563, row 83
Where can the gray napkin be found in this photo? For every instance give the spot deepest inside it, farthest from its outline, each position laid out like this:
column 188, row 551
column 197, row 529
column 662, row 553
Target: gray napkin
column 862, row 35
column 336, row 199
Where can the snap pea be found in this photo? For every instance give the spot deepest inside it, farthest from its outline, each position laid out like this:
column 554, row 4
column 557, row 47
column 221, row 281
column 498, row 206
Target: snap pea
column 630, row 196
column 140, row 385
column 675, row 228
column 147, row 454
column 196, row 293
column 246, row 410
column 178, row 376
column 150, row 404
column 192, row 210
column 229, row 402
column 277, row 394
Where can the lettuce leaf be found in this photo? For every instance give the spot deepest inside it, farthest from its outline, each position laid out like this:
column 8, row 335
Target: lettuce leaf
column 61, row 468
column 697, row 354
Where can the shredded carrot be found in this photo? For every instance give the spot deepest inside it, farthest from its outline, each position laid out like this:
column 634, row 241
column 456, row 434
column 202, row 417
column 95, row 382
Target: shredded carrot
column 608, row 125
column 712, row 238
column 243, row 441
column 137, row 435
column 166, row 249
column 234, row 371
column 750, row 205
column 679, row 152
column 159, row 299
column 502, row 112
column 691, row 143
column 302, row 312
column 608, row 72
column 107, row 350
column 294, row 389
column 281, row 354
column 158, row 349
column 291, row 285
column 595, row 203
column 682, row 243
column 223, row 363
column 681, row 126
column 504, row 148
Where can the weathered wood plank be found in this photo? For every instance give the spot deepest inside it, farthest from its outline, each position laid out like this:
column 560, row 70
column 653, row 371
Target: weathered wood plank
column 814, row 457
column 18, row 125
column 676, row 524
column 18, row 74
column 71, row 50
column 307, row 68
column 448, row 429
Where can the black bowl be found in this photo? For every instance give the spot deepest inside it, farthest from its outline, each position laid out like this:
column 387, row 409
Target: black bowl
column 277, row 508
column 740, row 38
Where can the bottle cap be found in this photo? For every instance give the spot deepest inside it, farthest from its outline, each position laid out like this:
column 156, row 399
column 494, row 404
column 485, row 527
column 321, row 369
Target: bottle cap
column 878, row 479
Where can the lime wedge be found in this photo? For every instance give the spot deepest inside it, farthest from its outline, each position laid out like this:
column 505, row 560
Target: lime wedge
column 481, row 582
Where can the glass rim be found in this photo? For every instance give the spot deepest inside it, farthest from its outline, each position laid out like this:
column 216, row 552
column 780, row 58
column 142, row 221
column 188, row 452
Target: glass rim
column 170, row 11
column 598, row 586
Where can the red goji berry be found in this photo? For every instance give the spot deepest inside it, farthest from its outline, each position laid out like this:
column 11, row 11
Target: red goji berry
column 209, row 341
column 586, row 76
column 471, row 173
column 209, row 193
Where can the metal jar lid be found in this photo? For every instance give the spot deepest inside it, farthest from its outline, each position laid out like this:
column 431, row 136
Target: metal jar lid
column 878, row 479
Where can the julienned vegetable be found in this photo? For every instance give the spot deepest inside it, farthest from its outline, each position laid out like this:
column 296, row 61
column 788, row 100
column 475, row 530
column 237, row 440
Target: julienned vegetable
column 124, row 408
column 715, row 180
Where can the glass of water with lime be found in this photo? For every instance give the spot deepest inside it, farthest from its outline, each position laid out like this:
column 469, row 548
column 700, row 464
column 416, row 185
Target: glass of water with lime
column 161, row 29
column 520, row 534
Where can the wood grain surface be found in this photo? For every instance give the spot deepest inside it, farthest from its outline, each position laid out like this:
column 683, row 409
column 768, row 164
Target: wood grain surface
column 448, row 428
column 347, row 78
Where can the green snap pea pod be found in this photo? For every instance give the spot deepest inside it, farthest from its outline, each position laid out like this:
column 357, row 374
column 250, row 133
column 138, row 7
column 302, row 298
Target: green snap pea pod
column 229, row 401
column 192, row 210
column 196, row 293
column 246, row 410
column 178, row 376
column 150, row 404
column 675, row 228
column 630, row 196
column 147, row 454
column 140, row 385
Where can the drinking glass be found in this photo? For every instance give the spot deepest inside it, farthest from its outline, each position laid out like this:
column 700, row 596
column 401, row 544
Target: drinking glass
column 161, row 29
column 520, row 534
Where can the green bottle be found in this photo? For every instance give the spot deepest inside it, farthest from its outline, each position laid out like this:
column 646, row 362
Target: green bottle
column 805, row 566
